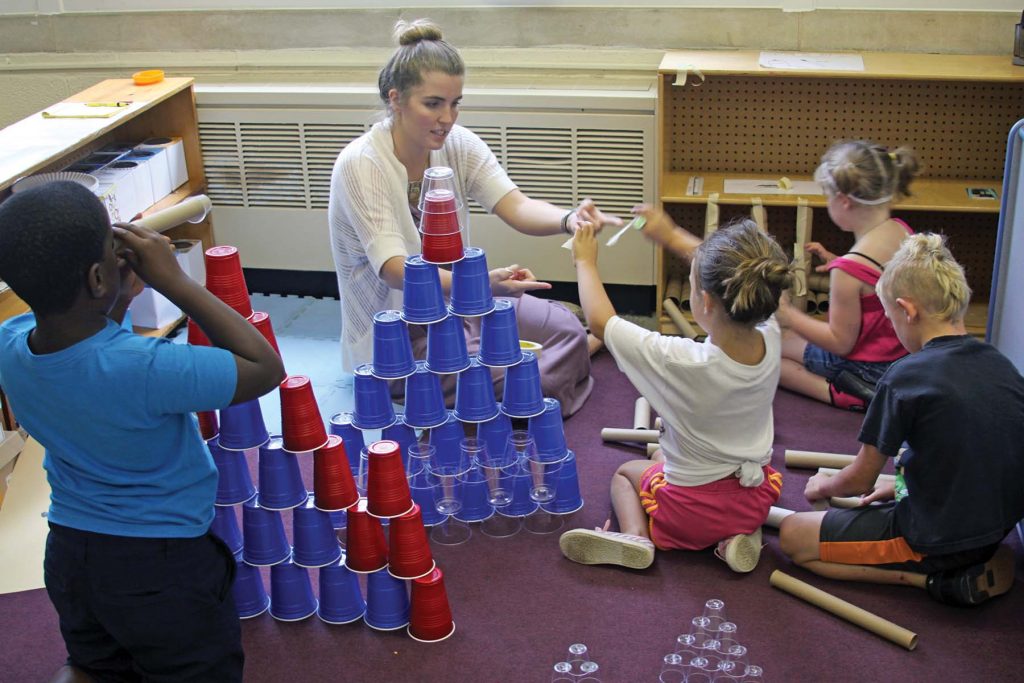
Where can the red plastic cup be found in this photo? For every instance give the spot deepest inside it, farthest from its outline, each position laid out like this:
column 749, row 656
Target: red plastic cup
column 440, row 223
column 225, row 280
column 409, row 555
column 301, row 425
column 387, row 489
column 334, row 487
column 430, row 615
column 261, row 321
column 196, row 336
column 439, row 200
column 208, row 426
column 366, row 549
column 442, row 248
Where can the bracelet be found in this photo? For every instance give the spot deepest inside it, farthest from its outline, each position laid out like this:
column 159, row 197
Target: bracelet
column 565, row 222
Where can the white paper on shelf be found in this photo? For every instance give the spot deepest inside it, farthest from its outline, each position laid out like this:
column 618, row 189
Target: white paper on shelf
column 768, row 186
column 811, row 61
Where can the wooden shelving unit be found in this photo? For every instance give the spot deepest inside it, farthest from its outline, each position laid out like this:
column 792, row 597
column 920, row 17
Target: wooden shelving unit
column 166, row 109
column 734, row 119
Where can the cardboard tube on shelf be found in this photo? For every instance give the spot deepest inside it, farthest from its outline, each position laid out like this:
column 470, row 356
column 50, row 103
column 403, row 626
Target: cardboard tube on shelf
column 844, row 610
column 634, row 435
column 821, row 301
column 641, row 414
column 652, row 448
column 674, row 286
column 711, row 215
column 817, row 282
column 776, row 515
column 673, row 312
column 191, row 210
column 813, row 459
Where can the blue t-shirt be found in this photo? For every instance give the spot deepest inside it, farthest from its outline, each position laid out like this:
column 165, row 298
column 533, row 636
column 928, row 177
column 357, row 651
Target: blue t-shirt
column 114, row 412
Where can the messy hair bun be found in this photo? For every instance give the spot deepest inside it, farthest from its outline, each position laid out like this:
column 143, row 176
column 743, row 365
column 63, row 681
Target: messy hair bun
column 412, row 32
column 421, row 49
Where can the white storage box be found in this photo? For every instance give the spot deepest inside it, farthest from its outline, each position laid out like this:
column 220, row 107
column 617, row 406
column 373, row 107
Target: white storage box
column 191, row 260
column 152, row 309
column 172, row 152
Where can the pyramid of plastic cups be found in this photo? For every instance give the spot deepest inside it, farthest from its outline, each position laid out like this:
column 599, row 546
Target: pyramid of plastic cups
column 387, row 602
column 225, row 280
column 263, row 532
column 242, row 426
column 250, row 595
column 261, row 321
column 209, row 426
column 402, row 434
column 392, row 350
column 373, row 408
column 548, row 432
column 333, row 485
column 494, row 465
column 439, row 178
column 499, row 336
column 471, row 285
column 446, row 440
column 422, row 295
column 225, row 527
column 409, row 555
column 196, row 336
column 442, row 248
column 521, row 481
column 523, row 395
column 475, row 494
column 474, row 394
column 234, row 484
column 291, row 593
column 341, row 600
column 494, row 433
column 366, row 549
column 387, row 489
column 430, row 615
column 341, row 424
column 301, row 424
column 567, row 488
column 424, row 399
column 315, row 543
column 446, row 347
column 281, row 485
column 422, row 485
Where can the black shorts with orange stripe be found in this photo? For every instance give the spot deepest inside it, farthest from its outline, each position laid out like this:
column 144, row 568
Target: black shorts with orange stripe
column 871, row 536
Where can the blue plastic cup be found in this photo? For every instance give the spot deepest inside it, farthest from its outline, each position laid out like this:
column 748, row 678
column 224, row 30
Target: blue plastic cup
column 548, row 431
column 387, row 602
column 471, row 285
column 341, row 599
column 446, row 347
column 523, row 396
column 225, row 527
column 242, row 426
column 315, row 543
column 392, row 350
column 339, row 520
column 567, row 488
column 291, row 593
column 474, row 394
column 499, row 336
column 422, row 296
column 352, row 436
column 521, row 479
column 234, row 483
column 373, row 408
column 402, row 434
column 250, row 595
column 424, row 398
column 475, row 494
column 263, row 533
column 281, row 485
column 494, row 433
column 446, row 440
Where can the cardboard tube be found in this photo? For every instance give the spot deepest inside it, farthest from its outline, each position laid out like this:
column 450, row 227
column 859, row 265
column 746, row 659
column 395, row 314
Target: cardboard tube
column 776, row 515
column 674, row 286
column 192, row 210
column 844, row 610
column 635, row 435
column 652, row 448
column 812, row 459
column 685, row 328
column 831, row 472
column 711, row 215
column 822, row 301
column 817, row 282
column 758, row 214
column 845, row 502
column 820, row 505
column 641, row 414
column 658, row 423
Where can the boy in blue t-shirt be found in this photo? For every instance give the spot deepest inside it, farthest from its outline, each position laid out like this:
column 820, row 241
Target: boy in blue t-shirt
column 141, row 587
column 958, row 405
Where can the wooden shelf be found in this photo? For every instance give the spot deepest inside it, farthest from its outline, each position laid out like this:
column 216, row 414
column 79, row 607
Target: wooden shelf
column 11, row 305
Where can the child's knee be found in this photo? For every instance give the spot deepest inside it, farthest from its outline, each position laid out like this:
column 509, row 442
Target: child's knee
column 798, row 539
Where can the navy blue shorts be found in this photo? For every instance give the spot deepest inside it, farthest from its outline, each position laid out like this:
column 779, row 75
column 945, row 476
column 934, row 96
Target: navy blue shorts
column 154, row 609
column 829, row 365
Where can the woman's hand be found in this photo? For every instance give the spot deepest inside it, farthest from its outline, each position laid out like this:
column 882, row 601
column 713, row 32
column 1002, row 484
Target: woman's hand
column 514, row 281
column 659, row 228
column 587, row 212
column 815, row 249
column 584, row 245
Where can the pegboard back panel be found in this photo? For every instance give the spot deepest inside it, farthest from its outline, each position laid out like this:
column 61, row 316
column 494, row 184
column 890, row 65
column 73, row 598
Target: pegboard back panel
column 780, row 125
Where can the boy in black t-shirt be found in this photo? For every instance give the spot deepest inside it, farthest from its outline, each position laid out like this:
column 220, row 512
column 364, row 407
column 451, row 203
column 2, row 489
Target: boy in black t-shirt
column 958, row 405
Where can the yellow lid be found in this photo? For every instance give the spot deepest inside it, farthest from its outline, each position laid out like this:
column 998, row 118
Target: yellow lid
column 148, row 77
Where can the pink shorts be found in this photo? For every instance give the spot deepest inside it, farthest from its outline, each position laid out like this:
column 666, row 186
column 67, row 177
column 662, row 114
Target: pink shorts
column 696, row 517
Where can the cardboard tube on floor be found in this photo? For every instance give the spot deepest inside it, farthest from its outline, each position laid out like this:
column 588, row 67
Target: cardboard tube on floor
column 685, row 328
column 813, row 459
column 831, row 472
column 657, row 423
column 641, row 414
column 844, row 502
column 652, row 448
column 635, row 435
column 776, row 515
column 844, row 610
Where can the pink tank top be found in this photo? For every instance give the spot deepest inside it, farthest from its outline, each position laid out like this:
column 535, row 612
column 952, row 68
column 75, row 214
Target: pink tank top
column 877, row 341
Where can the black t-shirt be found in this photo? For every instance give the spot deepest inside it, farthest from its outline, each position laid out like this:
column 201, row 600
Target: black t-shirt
column 959, row 405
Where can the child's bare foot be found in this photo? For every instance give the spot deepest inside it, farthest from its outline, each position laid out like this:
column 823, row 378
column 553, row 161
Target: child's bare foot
column 593, row 344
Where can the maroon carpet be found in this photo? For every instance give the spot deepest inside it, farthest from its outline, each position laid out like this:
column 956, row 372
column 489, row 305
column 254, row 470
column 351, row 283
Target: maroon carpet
column 518, row 603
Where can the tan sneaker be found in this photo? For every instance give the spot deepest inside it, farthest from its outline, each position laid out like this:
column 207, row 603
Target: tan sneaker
column 741, row 552
column 593, row 546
